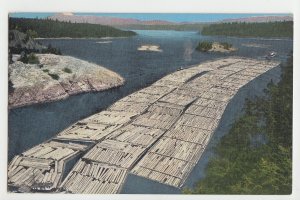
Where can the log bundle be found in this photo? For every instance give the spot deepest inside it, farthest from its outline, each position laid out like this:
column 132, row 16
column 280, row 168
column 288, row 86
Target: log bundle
column 158, row 133
column 41, row 167
column 204, row 99
column 90, row 177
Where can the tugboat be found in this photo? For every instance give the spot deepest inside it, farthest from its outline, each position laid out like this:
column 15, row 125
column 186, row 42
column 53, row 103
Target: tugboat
column 179, row 69
column 270, row 55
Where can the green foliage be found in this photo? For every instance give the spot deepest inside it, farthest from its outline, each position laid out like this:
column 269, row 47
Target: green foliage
column 67, row 70
column 243, row 165
column 30, row 59
column 204, row 46
column 47, row 28
column 226, row 45
column 33, row 59
column 242, row 29
column 31, row 33
column 46, row 70
column 24, row 58
column 54, row 76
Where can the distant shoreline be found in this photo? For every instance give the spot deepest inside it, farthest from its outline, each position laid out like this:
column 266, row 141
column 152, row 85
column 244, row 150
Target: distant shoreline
column 259, row 38
column 83, row 38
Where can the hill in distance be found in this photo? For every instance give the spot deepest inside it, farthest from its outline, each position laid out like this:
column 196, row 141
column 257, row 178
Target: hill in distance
column 115, row 21
column 135, row 24
column 103, row 20
column 260, row 19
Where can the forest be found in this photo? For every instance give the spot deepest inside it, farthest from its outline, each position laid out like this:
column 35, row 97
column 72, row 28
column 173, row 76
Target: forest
column 242, row 29
column 46, row 28
column 176, row 27
column 255, row 157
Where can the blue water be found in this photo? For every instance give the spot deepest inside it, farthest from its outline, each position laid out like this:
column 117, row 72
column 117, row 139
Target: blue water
column 31, row 125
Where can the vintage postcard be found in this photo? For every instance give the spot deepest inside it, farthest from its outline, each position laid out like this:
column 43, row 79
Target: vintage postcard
column 150, row 103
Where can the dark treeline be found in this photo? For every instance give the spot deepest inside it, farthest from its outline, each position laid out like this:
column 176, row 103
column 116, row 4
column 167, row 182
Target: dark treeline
column 255, row 157
column 241, row 29
column 46, row 28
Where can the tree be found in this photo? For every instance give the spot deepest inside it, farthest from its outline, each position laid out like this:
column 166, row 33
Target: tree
column 243, row 165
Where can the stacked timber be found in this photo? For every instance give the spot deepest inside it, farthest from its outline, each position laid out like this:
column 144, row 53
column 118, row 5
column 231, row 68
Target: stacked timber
column 206, row 111
column 87, row 131
column 94, row 178
column 115, row 153
column 188, row 134
column 137, row 135
column 162, row 168
column 157, row 90
column 110, row 118
column 159, row 132
column 178, row 99
column 204, row 98
column 141, row 97
column 156, row 120
column 41, row 167
column 176, row 149
column 132, row 107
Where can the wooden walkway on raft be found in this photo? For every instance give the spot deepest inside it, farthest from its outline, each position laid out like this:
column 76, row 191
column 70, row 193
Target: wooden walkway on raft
column 159, row 132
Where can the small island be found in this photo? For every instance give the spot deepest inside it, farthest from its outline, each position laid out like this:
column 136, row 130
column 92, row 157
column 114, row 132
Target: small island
column 148, row 47
column 222, row 47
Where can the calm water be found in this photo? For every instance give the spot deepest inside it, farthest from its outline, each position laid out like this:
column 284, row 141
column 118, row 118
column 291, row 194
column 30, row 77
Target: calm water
column 31, row 125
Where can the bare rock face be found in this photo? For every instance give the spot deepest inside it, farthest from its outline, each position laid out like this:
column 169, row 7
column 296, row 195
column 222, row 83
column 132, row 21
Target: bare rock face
column 55, row 78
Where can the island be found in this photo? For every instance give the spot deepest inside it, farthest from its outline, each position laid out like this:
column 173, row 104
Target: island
column 222, row 47
column 149, row 47
column 53, row 77
column 38, row 74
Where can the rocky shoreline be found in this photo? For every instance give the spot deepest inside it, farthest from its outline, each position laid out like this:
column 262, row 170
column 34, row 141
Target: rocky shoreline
column 218, row 47
column 56, row 77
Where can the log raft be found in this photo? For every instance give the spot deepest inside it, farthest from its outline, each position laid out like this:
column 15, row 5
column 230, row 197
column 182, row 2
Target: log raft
column 159, row 133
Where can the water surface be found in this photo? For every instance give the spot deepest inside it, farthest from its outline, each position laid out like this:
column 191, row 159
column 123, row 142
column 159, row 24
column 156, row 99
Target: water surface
column 31, row 125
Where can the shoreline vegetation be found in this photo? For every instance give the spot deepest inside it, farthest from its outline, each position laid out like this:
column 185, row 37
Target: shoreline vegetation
column 47, row 28
column 222, row 47
column 279, row 29
column 242, row 29
column 175, row 27
column 255, row 157
column 82, row 38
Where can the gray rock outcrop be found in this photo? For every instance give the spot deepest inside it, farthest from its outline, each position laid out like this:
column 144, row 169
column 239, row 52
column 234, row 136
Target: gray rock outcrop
column 55, row 78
